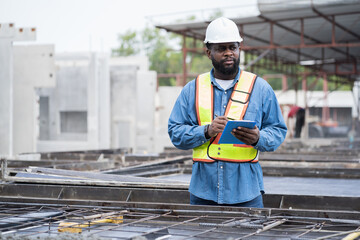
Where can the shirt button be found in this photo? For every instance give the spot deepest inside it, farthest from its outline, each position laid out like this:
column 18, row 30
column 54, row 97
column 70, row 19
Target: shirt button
column 221, row 167
column 224, row 106
column 225, row 92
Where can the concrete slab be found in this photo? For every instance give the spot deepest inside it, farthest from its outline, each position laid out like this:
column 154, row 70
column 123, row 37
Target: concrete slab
column 300, row 186
column 312, row 186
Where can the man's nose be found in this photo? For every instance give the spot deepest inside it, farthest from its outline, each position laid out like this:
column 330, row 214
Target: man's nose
column 228, row 52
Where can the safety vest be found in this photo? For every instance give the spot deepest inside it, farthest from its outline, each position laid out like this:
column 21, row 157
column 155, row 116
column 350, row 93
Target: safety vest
column 236, row 108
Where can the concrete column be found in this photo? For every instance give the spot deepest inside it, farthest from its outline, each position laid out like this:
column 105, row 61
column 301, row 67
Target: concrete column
column 306, row 126
column 104, row 102
column 145, row 111
column 356, row 94
column 8, row 34
column 98, row 104
column 93, row 104
column 6, row 92
column 325, row 109
column 34, row 67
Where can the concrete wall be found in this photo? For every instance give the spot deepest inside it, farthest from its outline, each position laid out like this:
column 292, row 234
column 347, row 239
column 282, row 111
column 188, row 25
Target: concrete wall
column 33, row 68
column 145, row 111
column 79, row 109
column 6, row 86
column 117, row 95
column 356, row 92
column 8, row 35
column 123, row 105
column 165, row 100
column 132, row 105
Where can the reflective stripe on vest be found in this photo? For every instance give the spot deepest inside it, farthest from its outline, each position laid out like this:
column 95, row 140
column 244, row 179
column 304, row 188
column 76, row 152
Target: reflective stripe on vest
column 236, row 108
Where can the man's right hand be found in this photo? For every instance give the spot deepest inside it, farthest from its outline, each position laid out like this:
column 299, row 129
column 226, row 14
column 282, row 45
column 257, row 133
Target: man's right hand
column 217, row 126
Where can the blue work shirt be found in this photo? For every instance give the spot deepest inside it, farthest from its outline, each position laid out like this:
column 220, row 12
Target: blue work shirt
column 220, row 181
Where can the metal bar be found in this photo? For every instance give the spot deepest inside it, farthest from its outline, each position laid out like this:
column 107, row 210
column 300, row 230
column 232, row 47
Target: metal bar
column 147, row 218
column 200, row 36
column 334, row 23
column 268, row 227
column 337, row 234
column 184, row 51
column 116, row 196
column 355, row 44
column 99, row 183
column 302, row 42
column 208, row 230
column 262, row 55
column 241, row 30
column 325, row 109
column 271, row 34
column 302, row 34
column 173, row 225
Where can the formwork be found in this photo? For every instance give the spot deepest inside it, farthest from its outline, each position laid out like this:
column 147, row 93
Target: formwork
column 114, row 194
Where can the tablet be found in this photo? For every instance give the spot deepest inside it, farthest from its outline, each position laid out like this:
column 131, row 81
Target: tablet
column 226, row 136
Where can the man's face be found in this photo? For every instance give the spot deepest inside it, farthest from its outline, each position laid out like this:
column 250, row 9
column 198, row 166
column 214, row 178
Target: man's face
column 225, row 57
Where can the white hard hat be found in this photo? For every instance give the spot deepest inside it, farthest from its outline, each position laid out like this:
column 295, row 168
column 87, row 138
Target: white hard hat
column 222, row 30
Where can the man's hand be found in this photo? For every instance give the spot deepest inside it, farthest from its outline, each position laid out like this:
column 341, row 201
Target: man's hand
column 217, row 126
column 247, row 135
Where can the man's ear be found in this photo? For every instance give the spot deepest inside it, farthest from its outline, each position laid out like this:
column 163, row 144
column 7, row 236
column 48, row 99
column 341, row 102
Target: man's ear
column 208, row 53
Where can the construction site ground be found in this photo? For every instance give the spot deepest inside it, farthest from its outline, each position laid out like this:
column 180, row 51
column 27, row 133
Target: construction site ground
column 311, row 193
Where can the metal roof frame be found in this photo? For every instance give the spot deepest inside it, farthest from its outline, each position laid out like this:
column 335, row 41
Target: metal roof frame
column 320, row 34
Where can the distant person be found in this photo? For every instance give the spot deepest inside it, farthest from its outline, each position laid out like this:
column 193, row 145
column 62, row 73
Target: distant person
column 226, row 174
column 351, row 136
column 300, row 119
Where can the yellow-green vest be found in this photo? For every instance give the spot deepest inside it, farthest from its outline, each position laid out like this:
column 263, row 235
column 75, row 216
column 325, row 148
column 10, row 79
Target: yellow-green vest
column 236, row 108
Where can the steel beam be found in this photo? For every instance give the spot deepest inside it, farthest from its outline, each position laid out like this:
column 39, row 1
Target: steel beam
column 85, row 195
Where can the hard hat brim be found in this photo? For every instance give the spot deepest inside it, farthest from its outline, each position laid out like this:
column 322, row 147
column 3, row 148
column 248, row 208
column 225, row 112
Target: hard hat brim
column 224, row 41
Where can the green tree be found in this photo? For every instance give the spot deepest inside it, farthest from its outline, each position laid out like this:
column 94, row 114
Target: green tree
column 164, row 50
column 129, row 44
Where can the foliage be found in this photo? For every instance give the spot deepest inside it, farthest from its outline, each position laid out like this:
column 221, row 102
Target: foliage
column 128, row 44
column 164, row 52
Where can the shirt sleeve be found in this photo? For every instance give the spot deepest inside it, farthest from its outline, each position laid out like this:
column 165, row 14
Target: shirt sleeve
column 273, row 128
column 183, row 129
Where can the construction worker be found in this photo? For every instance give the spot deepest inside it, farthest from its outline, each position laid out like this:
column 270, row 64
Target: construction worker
column 299, row 112
column 226, row 174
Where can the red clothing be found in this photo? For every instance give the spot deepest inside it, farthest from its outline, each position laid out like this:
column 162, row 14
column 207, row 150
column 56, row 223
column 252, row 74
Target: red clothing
column 293, row 110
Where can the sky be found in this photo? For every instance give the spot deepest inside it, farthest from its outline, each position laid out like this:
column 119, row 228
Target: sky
column 94, row 25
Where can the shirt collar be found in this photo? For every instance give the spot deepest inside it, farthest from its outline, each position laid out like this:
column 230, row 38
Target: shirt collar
column 214, row 83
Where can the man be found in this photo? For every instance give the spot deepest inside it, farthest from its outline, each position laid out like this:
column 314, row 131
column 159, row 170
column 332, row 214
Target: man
column 226, row 174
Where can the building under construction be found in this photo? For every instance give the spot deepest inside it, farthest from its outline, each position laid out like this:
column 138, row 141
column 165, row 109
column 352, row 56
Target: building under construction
column 97, row 166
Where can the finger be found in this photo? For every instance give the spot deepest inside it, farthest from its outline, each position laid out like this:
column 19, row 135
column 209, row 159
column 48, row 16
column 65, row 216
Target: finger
column 222, row 118
column 249, row 130
column 248, row 137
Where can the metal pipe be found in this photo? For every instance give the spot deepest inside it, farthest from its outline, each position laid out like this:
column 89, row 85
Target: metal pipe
column 184, row 51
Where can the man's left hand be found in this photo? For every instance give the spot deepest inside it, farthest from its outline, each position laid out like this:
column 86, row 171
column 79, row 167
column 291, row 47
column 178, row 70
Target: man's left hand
column 247, row 135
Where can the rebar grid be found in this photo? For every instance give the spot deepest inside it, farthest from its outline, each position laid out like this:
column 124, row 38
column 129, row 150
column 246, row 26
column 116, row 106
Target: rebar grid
column 153, row 223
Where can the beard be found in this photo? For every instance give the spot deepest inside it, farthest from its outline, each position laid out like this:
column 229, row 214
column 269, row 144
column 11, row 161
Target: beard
column 220, row 66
